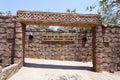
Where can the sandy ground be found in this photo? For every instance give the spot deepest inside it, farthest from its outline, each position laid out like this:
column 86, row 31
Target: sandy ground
column 39, row 69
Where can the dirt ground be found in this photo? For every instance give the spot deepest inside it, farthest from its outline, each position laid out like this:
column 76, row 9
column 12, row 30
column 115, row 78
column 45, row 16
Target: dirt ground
column 39, row 69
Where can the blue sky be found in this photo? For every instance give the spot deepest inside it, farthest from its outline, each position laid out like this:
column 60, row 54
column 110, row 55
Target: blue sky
column 46, row 5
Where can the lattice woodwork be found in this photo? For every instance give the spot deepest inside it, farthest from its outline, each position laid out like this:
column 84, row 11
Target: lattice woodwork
column 59, row 19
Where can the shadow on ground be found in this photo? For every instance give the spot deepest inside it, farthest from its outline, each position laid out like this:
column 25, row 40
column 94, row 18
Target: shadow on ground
column 50, row 66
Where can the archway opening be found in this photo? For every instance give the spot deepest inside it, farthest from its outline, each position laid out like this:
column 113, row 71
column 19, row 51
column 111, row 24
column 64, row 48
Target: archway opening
column 58, row 43
column 61, row 19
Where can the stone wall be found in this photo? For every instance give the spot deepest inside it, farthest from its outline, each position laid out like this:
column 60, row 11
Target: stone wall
column 104, row 46
column 107, row 57
column 7, row 24
column 9, row 71
column 111, row 50
column 19, row 42
column 11, row 48
column 77, row 51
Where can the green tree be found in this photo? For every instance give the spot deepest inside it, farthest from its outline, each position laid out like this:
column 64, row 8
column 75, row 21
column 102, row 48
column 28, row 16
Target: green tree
column 2, row 13
column 41, row 27
column 109, row 9
column 71, row 11
column 8, row 13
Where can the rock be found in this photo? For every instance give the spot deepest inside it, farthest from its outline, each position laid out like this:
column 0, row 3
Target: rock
column 0, row 69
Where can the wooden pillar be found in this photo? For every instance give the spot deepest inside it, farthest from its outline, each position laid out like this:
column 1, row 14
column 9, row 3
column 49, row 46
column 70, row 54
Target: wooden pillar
column 93, row 48
column 23, row 40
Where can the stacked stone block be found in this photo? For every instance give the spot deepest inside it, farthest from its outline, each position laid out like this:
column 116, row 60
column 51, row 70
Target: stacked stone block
column 6, row 39
column 112, row 48
column 76, row 51
column 11, row 50
column 18, row 49
column 103, row 46
column 107, row 48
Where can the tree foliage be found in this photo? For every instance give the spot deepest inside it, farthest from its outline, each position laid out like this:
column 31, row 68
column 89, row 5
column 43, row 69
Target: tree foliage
column 71, row 11
column 8, row 13
column 109, row 9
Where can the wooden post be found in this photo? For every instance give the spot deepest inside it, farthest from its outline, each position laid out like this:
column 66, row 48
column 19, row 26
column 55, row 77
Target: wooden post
column 23, row 40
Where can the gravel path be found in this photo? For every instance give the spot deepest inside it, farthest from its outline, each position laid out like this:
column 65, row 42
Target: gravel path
column 39, row 69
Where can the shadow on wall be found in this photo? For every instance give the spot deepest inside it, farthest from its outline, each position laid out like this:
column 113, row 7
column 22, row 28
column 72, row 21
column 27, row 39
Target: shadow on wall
column 45, row 66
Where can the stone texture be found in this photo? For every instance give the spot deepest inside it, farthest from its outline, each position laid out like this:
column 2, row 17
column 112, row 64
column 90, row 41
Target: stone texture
column 7, row 40
column 106, row 53
column 9, row 71
column 6, row 26
column 35, row 48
